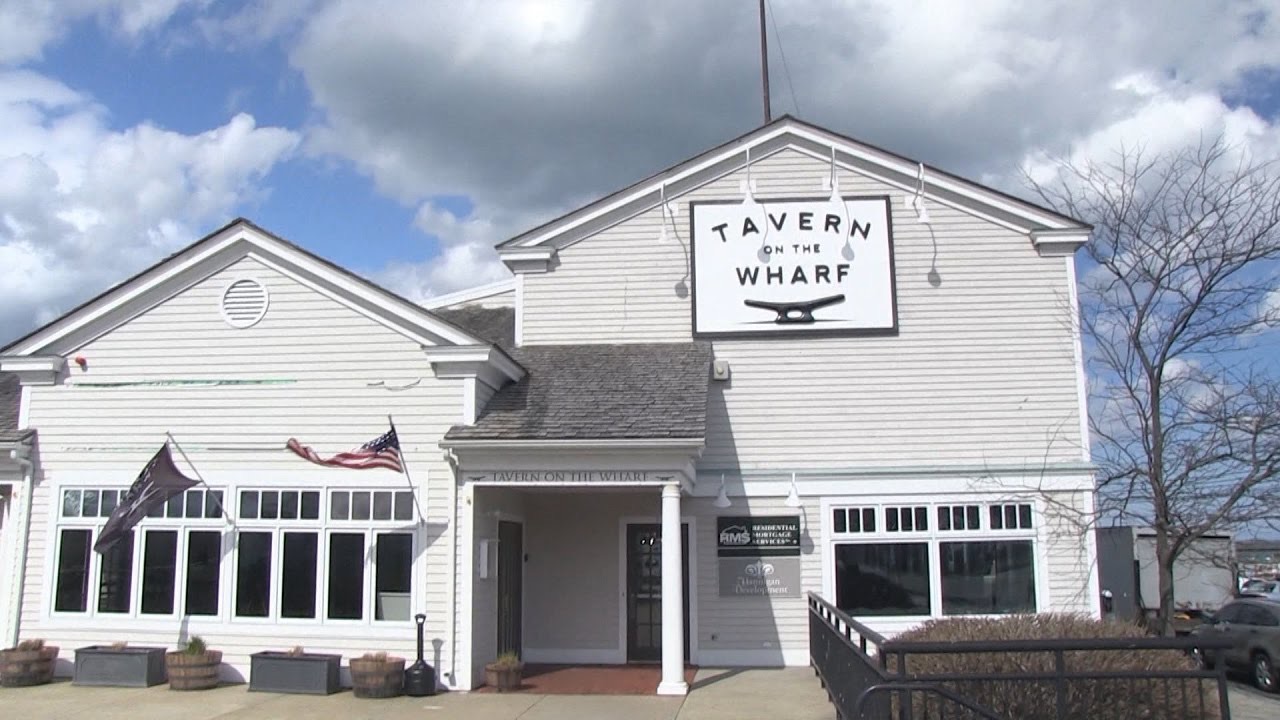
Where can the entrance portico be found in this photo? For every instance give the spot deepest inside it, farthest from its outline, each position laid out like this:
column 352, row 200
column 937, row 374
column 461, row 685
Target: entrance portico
column 603, row 571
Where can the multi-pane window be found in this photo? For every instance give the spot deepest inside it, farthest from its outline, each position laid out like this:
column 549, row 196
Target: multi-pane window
column 970, row 561
column 959, row 517
column 143, row 572
column 906, row 519
column 347, row 564
column 854, row 520
column 288, row 554
column 1010, row 517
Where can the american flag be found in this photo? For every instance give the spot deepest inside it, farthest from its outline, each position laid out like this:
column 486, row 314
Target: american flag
column 381, row 452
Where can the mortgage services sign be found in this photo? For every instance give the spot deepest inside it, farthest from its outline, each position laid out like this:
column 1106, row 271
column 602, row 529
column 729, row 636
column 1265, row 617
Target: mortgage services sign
column 793, row 266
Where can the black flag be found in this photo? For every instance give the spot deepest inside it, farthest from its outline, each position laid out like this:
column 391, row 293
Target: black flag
column 158, row 481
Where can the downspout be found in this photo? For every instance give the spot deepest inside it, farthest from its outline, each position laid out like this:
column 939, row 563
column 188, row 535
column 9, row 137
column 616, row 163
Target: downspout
column 24, row 523
column 452, row 459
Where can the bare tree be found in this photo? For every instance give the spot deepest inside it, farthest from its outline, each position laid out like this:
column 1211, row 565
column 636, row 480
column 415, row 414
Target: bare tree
column 1178, row 293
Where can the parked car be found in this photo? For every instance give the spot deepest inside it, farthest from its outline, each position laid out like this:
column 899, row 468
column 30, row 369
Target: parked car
column 1253, row 625
column 1269, row 589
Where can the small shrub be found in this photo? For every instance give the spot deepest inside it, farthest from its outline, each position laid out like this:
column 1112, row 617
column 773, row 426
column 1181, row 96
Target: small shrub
column 380, row 656
column 506, row 661
column 32, row 644
column 296, row 651
column 1096, row 699
column 119, row 645
column 195, row 646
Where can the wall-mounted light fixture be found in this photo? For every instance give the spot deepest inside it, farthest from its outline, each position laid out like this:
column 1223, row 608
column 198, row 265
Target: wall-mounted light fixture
column 722, row 499
column 793, row 497
column 916, row 202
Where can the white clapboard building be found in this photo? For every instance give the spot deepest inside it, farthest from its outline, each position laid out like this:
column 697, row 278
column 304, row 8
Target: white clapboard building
column 792, row 364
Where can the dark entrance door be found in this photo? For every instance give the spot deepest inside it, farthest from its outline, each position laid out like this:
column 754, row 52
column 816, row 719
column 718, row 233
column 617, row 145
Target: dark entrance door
column 510, row 585
column 644, row 591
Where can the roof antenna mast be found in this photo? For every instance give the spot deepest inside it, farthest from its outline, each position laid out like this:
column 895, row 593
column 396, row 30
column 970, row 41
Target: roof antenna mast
column 764, row 65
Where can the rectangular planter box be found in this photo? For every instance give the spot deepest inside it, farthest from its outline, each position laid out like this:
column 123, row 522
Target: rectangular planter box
column 122, row 667
column 310, row 674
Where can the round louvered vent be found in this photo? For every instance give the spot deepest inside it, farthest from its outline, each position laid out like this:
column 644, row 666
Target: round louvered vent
column 244, row 303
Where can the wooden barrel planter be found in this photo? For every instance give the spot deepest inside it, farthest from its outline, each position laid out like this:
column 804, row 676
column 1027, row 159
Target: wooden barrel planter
column 193, row 671
column 377, row 677
column 21, row 667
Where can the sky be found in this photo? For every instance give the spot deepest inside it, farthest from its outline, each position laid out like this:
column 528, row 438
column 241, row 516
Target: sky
column 403, row 139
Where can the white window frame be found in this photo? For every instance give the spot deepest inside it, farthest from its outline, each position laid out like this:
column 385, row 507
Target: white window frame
column 182, row 526
column 933, row 538
column 229, row 529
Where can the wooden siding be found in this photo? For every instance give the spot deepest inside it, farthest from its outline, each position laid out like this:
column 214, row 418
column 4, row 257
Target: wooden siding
column 981, row 372
column 324, row 361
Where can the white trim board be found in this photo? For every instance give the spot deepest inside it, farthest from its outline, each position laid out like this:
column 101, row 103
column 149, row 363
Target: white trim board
column 479, row 292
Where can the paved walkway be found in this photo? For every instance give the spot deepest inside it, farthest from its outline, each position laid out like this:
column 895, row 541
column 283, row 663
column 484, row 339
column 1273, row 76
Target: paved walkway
column 1249, row 703
column 791, row 693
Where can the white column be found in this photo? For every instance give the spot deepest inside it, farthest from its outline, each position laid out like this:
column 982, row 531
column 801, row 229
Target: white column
column 672, row 596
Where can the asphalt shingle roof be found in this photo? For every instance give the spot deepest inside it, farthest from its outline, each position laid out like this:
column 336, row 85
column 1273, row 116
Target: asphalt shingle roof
column 10, row 394
column 495, row 325
column 606, row 392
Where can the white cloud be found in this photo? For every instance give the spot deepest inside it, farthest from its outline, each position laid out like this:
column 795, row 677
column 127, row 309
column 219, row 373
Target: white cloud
column 28, row 26
column 532, row 108
column 83, row 206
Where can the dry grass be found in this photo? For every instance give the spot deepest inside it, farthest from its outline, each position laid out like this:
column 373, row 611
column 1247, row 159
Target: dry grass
column 1096, row 699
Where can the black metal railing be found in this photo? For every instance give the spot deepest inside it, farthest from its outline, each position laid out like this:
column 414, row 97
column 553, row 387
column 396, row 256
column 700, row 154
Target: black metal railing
column 846, row 656
column 870, row 678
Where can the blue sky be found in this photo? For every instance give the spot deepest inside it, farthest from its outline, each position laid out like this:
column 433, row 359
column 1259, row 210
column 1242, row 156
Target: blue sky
column 404, row 139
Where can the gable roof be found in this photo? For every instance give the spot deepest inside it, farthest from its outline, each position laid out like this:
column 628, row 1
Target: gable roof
column 493, row 325
column 789, row 133
column 239, row 238
column 654, row 391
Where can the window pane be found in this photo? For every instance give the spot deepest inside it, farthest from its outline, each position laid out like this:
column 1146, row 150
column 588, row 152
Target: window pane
column 1024, row 517
column 311, row 505
column 89, row 504
column 855, row 523
column 289, row 505
column 404, row 506
column 204, row 558
column 248, row 505
column 907, row 524
column 891, row 519
column 997, row 518
column 71, row 503
column 869, row 520
column 382, row 506
column 298, row 582
column 195, row 503
column 109, row 499
column 340, row 506
column 72, row 593
column 253, row 574
column 159, row 560
column 173, row 506
column 346, row 575
column 270, row 509
column 1010, row 516
column 395, row 571
column 883, row 579
column 922, row 519
column 359, row 506
column 944, row 518
column 839, row 522
column 116, row 583
column 988, row 577
column 973, row 517
column 213, row 504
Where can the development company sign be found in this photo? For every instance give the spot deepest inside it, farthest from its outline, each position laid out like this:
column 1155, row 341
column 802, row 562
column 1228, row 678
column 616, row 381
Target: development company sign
column 793, row 267
column 758, row 556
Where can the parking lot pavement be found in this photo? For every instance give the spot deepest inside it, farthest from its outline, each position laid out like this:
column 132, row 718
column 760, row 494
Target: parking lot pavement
column 1249, row 703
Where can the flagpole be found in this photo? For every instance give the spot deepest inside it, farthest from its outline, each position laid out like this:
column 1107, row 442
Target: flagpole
column 221, row 507
column 404, row 465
